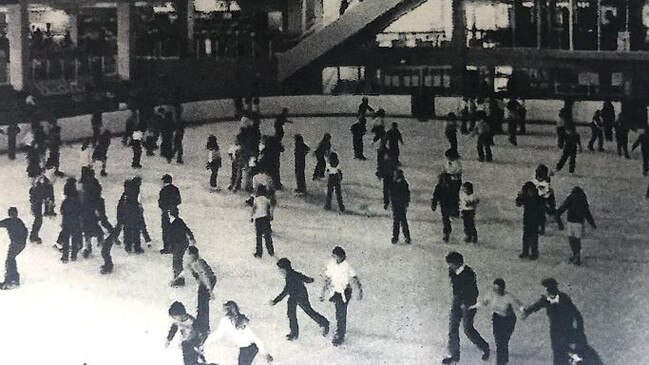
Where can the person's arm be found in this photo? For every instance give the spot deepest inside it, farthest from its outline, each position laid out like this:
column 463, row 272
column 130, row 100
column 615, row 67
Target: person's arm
column 325, row 288
column 407, row 194
column 4, row 222
column 400, row 137
column 589, row 217
column 516, row 303
column 358, row 284
column 259, row 343
column 520, row 199
column 483, row 301
column 280, row 296
column 206, row 275
column 636, row 144
column 171, row 334
column 537, row 306
column 304, row 278
column 435, row 200
column 188, row 232
column 562, row 208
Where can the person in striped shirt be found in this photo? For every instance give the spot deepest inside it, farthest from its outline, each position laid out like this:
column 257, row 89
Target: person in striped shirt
column 204, row 275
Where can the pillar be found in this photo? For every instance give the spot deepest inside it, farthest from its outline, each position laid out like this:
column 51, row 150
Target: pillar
column 17, row 32
column 459, row 46
column 191, row 20
column 125, row 39
column 74, row 26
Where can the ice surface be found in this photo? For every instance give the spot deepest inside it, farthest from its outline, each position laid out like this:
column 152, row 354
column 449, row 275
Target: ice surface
column 69, row 314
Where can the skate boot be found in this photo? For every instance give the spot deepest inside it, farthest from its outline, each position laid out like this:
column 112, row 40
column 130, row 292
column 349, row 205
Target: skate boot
column 105, row 270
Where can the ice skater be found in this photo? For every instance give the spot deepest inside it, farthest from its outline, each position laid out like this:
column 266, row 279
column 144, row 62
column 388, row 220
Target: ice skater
column 334, row 178
column 204, row 275
column 17, row 241
column 280, row 121
column 339, row 277
column 503, row 307
column 90, row 195
column 450, row 130
column 180, row 238
column 385, row 171
column 191, row 337
column 643, row 142
column 576, row 204
column 608, row 119
column 261, row 216
column 596, row 132
column 136, row 147
column 465, row 296
column 237, row 326
column 484, row 140
column 533, row 215
column 179, row 135
column 359, row 129
column 213, row 160
column 321, row 153
column 11, row 132
column 364, row 107
column 468, row 204
column 300, row 151
column 571, row 142
column 70, row 235
column 511, row 117
column 167, row 128
column 542, row 181
column 400, row 198
column 169, row 198
column 444, row 196
column 54, row 147
column 101, row 150
column 394, row 138
column 565, row 319
column 38, row 195
column 622, row 137
column 128, row 217
column 297, row 294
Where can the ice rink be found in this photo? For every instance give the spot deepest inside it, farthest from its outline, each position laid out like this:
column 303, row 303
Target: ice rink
column 71, row 315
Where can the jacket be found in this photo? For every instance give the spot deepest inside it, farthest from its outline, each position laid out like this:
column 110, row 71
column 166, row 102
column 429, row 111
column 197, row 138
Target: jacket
column 533, row 209
column 294, row 286
column 465, row 287
column 169, row 197
column 578, row 209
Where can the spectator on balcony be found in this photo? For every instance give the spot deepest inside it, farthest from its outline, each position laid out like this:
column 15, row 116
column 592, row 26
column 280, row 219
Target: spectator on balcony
column 610, row 28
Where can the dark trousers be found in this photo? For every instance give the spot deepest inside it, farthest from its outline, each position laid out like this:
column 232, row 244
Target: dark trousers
column 247, row 354
column 11, row 142
column 446, row 224
column 319, row 170
column 608, row 131
column 262, row 230
column 136, row 146
column 71, row 242
column 623, row 149
column 37, row 212
column 399, row 221
column 561, row 136
column 203, row 309
column 511, row 130
column 132, row 238
column 457, row 316
column 468, row 218
column 596, row 135
column 179, row 150
column 236, row 176
column 303, row 303
column 550, row 205
column 503, row 328
column 341, row 312
column 190, row 355
column 331, row 187
column 165, row 228
column 452, row 140
column 386, row 191
column 177, row 260
column 11, row 268
column 213, row 175
column 531, row 240
column 299, row 176
column 560, row 342
column 358, row 147
column 569, row 156
column 105, row 253
column 484, row 147
column 645, row 162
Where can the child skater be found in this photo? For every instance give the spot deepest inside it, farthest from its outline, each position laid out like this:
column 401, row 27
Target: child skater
column 468, row 204
column 643, row 142
column 445, row 196
column 191, row 336
column 503, row 306
column 542, row 182
column 533, row 214
column 17, row 241
column 334, row 178
column 213, row 160
column 297, row 296
column 261, row 215
column 236, row 326
column 450, row 130
column 301, row 150
column 576, row 204
column 323, row 150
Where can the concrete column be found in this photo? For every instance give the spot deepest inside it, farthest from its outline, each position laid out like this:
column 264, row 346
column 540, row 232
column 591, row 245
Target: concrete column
column 125, row 39
column 191, row 21
column 74, row 26
column 17, row 32
column 459, row 46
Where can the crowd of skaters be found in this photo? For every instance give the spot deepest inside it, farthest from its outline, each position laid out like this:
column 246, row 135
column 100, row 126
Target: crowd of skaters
column 255, row 162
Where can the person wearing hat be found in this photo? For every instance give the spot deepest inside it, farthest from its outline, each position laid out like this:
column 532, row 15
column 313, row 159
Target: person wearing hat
column 168, row 199
column 400, row 197
column 566, row 322
column 17, row 241
column 338, row 278
column 297, row 296
column 465, row 296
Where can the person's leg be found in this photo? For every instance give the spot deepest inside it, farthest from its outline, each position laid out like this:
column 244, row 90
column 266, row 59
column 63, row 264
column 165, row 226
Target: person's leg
column 446, row 222
column 396, row 225
column 259, row 230
column 177, row 264
column 455, row 318
column 645, row 163
column 508, row 330
column 386, row 192
column 498, row 331
column 339, row 196
column 213, row 172
column 559, row 348
column 330, row 188
column 626, row 150
column 190, row 356
column 526, row 242
column 34, row 235
column 203, row 309
column 315, row 316
column 291, row 312
column 480, row 149
column 180, row 152
column 572, row 162
column 76, row 244
column 105, row 255
column 247, row 354
column 268, row 237
column 64, row 241
column 472, row 334
column 467, row 226
column 360, row 149
column 11, row 271
column 562, row 160
column 405, row 227
column 488, row 155
column 593, row 138
column 600, row 140
column 534, row 242
column 453, row 141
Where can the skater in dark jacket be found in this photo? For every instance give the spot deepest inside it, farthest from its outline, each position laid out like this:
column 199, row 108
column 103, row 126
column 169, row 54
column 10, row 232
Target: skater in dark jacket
column 364, row 107
column 385, row 172
column 597, row 133
column 465, row 296
column 445, row 196
column 643, row 142
column 91, row 206
column 511, row 118
column 168, row 199
column 321, row 153
column 484, row 140
column 450, row 130
column 280, row 121
column 359, row 129
column 261, row 215
column 542, row 181
column 400, row 197
column 180, row 238
column 533, row 215
column 166, row 126
column 54, row 146
column 101, row 151
column 301, row 150
column 334, row 178
column 204, row 275
column 571, row 142
column 565, row 320
column 17, row 241
column 11, row 132
column 297, row 296
column 394, row 138
column 576, row 204
column 608, row 119
column 213, row 160
column 70, row 235
column 622, row 137
column 128, row 217
column 38, row 195
column 179, row 135
column 136, row 146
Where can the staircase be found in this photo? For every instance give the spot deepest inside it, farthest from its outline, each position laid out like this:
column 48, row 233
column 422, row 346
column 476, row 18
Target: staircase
column 355, row 20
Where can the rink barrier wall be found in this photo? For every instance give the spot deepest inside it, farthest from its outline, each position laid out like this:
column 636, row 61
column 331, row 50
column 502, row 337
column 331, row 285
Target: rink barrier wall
column 540, row 111
column 77, row 128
